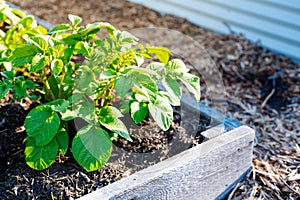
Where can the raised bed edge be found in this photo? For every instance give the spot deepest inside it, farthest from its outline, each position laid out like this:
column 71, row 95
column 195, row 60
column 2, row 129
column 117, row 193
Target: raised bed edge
column 202, row 172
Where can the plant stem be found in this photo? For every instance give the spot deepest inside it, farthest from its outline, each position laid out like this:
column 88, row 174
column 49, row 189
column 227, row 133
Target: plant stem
column 106, row 98
column 60, row 84
column 46, row 83
column 49, row 91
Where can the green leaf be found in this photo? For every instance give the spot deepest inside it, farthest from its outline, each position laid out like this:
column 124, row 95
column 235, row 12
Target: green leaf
column 140, row 96
column 72, row 39
column 3, row 58
column 138, row 111
column 67, row 55
column 95, row 27
column 91, row 147
column 119, row 127
column 30, row 84
column 124, row 107
column 59, row 105
column 19, row 89
column 85, row 74
column 57, row 66
column 108, row 74
column 85, row 110
column 23, row 55
column 149, row 91
column 128, row 40
column 60, row 28
column 40, row 157
column 8, row 74
column 39, row 42
column 68, row 115
column 42, row 30
column 83, row 106
column 171, row 100
column 173, row 88
column 109, row 118
column 34, row 97
column 42, row 123
column 82, row 48
column 139, row 59
column 91, row 29
column 53, row 83
column 4, row 88
column 176, row 65
column 122, row 85
column 39, row 61
column 62, row 139
column 162, row 53
column 145, row 84
column 27, row 21
column 17, row 12
column 7, row 65
column 106, row 25
column 192, row 83
column 156, row 66
column 109, row 113
column 147, row 72
column 162, row 112
column 75, row 20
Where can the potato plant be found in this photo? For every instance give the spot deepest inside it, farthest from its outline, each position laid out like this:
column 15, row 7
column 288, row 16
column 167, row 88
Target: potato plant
column 112, row 80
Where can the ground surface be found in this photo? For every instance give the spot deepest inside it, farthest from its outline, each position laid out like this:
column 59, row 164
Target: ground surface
column 262, row 90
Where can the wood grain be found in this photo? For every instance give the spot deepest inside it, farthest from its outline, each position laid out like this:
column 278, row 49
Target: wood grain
column 202, row 172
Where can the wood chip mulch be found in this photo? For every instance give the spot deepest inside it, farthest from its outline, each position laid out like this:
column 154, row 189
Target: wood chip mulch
column 263, row 88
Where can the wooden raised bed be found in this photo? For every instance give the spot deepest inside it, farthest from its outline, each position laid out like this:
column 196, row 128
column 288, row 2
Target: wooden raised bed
column 206, row 171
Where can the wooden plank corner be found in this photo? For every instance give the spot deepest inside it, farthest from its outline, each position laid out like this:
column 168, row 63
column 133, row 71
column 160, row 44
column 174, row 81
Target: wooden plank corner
column 202, row 172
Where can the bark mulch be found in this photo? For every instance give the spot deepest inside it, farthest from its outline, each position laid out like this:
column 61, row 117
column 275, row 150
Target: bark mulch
column 262, row 90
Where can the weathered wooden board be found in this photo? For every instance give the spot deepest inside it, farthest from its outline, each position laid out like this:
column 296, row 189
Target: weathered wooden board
column 202, row 172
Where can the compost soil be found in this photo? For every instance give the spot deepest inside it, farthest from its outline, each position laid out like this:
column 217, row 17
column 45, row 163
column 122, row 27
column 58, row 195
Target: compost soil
column 262, row 91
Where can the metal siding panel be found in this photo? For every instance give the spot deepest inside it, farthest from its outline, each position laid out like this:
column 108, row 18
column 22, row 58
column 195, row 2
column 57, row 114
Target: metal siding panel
column 292, row 5
column 157, row 5
column 263, row 11
column 239, row 19
column 276, row 23
column 272, row 43
column 200, row 18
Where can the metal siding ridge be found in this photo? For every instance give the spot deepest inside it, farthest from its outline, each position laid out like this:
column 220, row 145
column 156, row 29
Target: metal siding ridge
column 273, row 42
column 290, row 5
column 261, row 11
column 248, row 22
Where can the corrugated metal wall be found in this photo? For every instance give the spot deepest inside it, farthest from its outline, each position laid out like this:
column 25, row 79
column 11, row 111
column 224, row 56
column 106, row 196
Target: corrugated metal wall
column 276, row 23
